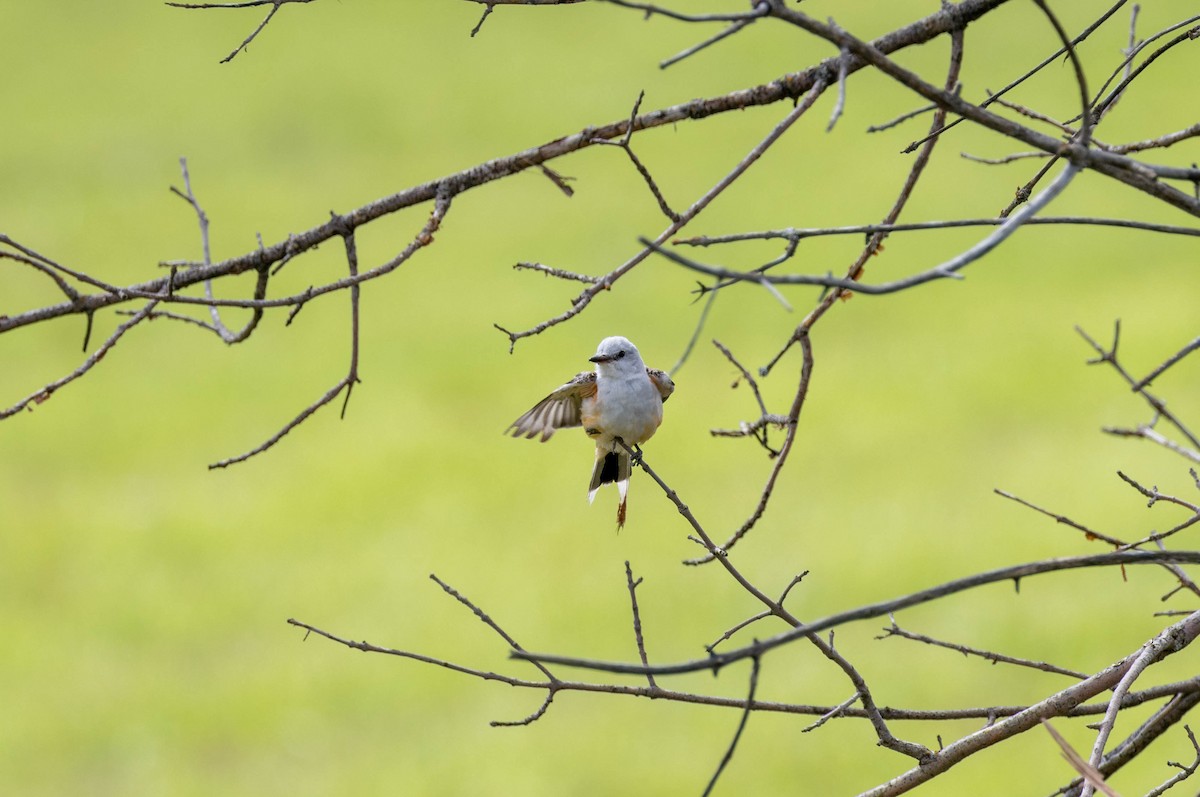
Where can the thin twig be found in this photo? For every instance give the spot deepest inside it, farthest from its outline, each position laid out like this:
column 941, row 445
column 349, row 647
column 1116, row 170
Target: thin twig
column 796, row 234
column 967, row 650
column 840, row 105
column 1170, row 361
column 423, row 238
column 1159, row 406
column 555, row 272
column 1187, row 693
column 260, row 288
column 623, row 143
column 678, row 223
column 995, row 96
column 737, row 735
column 1016, row 156
column 757, row 429
column 733, row 28
column 904, row 117
column 1053, row 706
column 637, row 620
column 836, row 711
column 42, row 394
column 1184, row 773
column 946, row 270
column 1129, row 52
column 275, row 6
column 484, row 618
column 883, row 608
column 1088, row 532
column 701, row 320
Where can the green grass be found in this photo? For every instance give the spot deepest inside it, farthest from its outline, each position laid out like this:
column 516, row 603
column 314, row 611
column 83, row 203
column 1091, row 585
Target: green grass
column 145, row 597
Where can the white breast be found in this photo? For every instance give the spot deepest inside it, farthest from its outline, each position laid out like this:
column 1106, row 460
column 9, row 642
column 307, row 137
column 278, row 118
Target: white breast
column 630, row 408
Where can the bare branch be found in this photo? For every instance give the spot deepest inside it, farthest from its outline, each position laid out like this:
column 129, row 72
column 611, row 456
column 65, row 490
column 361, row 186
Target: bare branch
column 1088, row 532
column 836, row 711
column 1161, row 142
column 486, row 620
column 737, row 735
column 1183, row 695
column 1160, row 408
column 995, row 96
column 884, row 608
column 1100, row 107
column 757, row 429
column 1147, row 432
column 840, row 105
column 274, row 4
column 733, row 28
column 1064, row 150
column 966, row 650
column 44, row 393
column 1092, row 777
column 1053, row 706
column 678, row 222
column 556, row 272
column 648, row 8
column 947, row 270
column 637, row 621
column 1162, row 720
column 1170, row 361
column 1016, row 156
column 1139, row 175
column 260, row 288
column 1170, row 641
column 904, row 117
column 623, row 143
column 346, row 383
column 1185, row 772
column 796, row 234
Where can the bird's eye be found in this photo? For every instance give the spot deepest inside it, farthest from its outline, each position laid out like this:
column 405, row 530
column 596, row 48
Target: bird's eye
column 620, row 354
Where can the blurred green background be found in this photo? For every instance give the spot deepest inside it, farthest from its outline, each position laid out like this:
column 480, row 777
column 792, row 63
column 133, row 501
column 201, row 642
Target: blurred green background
column 144, row 597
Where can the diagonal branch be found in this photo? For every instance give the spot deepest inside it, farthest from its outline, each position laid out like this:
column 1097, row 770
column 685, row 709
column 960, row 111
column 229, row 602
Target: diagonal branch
column 1138, row 386
column 946, row 270
column 274, row 4
column 42, row 394
column 678, row 221
column 737, row 735
column 791, row 86
column 1012, row 573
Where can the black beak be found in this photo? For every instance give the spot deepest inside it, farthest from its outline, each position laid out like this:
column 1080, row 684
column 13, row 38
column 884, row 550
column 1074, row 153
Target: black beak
column 600, row 358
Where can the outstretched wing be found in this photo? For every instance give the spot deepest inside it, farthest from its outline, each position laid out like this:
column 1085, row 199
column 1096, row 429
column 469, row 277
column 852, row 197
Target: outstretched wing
column 559, row 410
column 661, row 381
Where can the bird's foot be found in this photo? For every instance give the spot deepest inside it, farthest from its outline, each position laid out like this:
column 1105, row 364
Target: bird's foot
column 635, row 458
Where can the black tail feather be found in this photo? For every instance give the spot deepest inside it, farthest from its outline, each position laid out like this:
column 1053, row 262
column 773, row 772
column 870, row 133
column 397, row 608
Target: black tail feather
column 610, row 471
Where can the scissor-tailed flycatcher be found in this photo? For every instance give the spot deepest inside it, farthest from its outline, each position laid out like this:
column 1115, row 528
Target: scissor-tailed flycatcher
column 622, row 399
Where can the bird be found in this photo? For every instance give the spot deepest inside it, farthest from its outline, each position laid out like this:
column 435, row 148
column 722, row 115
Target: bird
column 619, row 405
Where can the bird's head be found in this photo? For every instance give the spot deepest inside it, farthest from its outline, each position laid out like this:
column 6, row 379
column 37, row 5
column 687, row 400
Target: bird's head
column 618, row 354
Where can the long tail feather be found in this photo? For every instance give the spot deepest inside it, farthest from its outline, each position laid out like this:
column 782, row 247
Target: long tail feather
column 615, row 467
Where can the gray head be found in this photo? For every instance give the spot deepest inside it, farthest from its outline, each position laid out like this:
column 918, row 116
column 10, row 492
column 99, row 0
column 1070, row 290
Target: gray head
column 617, row 354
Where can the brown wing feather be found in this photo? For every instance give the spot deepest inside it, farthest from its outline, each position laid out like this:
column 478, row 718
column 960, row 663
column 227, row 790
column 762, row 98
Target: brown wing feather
column 661, row 381
column 559, row 410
